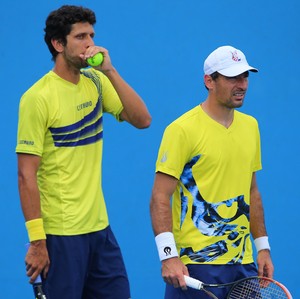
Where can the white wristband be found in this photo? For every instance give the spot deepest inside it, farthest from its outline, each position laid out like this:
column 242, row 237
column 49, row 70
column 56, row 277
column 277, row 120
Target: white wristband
column 262, row 243
column 166, row 246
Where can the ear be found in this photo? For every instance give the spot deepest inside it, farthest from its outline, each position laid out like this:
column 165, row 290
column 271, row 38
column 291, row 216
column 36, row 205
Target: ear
column 57, row 45
column 208, row 81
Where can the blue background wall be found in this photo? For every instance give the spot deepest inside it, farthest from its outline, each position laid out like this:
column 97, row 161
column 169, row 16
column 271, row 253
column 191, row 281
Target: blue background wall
column 159, row 47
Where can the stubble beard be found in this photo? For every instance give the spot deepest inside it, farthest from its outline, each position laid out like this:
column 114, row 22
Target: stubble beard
column 234, row 103
column 75, row 63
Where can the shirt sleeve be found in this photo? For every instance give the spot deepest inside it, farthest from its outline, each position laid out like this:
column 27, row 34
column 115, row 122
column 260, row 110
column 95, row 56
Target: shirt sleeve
column 32, row 125
column 173, row 152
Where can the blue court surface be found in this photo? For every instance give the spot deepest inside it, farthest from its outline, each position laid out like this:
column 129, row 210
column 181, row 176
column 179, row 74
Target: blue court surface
column 159, row 48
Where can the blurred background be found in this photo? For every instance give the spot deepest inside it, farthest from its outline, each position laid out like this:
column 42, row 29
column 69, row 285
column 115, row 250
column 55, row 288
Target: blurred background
column 159, row 48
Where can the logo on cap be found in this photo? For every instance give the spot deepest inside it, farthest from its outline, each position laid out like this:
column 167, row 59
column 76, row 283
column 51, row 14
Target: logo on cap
column 235, row 56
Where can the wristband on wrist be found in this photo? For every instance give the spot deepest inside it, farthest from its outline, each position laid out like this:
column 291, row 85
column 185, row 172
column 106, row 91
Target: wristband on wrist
column 166, row 246
column 262, row 243
column 35, row 229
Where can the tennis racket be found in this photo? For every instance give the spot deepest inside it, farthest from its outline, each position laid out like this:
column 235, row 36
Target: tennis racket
column 37, row 285
column 254, row 287
column 37, row 289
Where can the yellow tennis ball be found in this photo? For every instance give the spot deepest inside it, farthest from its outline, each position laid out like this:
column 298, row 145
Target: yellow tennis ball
column 95, row 60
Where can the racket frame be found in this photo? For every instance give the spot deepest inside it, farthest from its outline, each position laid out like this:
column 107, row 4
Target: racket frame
column 199, row 285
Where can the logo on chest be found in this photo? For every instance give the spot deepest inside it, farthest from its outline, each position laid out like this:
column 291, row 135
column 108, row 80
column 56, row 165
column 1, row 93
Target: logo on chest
column 84, row 105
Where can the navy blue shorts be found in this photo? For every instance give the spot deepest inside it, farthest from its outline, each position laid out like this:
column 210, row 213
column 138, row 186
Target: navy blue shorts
column 211, row 274
column 88, row 266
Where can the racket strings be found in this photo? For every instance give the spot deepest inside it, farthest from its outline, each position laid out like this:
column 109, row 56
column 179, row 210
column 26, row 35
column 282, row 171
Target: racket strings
column 257, row 289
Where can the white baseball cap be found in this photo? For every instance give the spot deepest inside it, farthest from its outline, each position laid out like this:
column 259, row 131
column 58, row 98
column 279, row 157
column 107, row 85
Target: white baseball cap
column 228, row 61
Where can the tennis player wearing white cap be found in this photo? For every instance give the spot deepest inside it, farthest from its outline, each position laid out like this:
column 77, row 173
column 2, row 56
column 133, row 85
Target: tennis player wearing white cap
column 206, row 163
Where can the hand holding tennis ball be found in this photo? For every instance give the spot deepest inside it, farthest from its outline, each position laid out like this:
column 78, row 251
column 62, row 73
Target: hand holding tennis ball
column 95, row 60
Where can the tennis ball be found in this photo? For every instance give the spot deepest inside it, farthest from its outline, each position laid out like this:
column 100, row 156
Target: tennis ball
column 95, row 60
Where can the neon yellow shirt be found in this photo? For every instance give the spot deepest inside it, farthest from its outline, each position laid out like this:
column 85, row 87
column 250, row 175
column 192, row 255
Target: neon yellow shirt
column 62, row 123
column 214, row 166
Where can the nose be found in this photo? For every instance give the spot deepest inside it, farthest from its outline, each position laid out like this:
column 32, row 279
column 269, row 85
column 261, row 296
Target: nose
column 89, row 41
column 242, row 82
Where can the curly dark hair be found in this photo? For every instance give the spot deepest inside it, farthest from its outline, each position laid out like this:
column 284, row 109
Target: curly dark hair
column 59, row 24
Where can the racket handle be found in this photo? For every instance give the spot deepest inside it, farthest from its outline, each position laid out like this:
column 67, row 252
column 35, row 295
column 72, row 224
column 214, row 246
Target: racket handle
column 193, row 283
column 38, row 291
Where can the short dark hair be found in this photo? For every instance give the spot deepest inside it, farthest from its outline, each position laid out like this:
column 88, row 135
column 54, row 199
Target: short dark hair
column 214, row 76
column 59, row 24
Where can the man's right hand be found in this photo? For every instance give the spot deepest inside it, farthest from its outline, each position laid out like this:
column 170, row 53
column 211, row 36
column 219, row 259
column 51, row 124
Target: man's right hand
column 37, row 260
column 173, row 270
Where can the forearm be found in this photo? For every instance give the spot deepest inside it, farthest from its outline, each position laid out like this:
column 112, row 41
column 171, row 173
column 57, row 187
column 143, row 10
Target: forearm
column 257, row 219
column 135, row 110
column 161, row 214
column 30, row 198
column 160, row 204
column 28, row 187
column 258, row 230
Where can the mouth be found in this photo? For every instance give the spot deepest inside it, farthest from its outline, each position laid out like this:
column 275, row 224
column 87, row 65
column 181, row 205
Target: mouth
column 239, row 94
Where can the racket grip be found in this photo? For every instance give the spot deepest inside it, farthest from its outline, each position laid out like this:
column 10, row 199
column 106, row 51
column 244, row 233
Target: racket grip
column 38, row 291
column 193, row 283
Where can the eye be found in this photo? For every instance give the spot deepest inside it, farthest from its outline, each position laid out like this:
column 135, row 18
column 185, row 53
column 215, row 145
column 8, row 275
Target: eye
column 80, row 36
